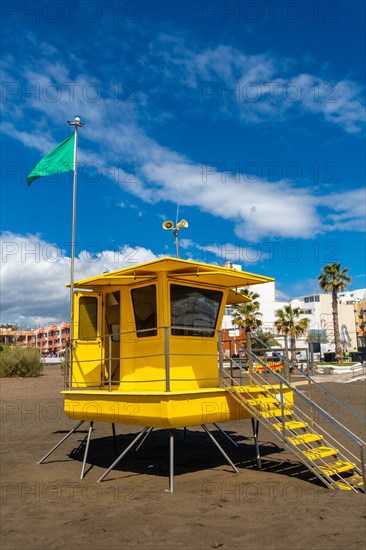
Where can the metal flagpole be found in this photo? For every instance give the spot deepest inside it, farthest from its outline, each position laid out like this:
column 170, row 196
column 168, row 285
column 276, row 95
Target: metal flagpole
column 77, row 124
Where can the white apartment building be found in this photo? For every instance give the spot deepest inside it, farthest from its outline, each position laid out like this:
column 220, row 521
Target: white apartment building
column 352, row 296
column 316, row 307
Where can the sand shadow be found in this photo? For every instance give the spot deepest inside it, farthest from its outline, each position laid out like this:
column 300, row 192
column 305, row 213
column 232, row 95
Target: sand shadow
column 193, row 451
column 295, row 470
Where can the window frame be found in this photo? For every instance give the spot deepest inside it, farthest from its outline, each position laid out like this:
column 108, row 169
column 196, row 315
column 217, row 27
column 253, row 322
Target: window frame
column 188, row 333
column 145, row 333
column 79, row 329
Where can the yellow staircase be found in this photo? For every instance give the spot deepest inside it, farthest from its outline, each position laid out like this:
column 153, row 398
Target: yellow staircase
column 327, row 458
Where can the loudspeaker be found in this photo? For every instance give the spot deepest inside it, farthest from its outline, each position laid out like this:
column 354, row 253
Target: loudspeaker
column 182, row 223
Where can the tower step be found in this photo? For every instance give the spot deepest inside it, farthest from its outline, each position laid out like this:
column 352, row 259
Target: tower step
column 264, row 401
column 355, row 481
column 291, row 425
column 261, row 404
column 267, row 414
column 336, row 467
column 320, row 452
column 305, row 438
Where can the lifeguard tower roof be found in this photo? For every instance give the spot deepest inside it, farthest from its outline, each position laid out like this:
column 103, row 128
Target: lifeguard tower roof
column 181, row 270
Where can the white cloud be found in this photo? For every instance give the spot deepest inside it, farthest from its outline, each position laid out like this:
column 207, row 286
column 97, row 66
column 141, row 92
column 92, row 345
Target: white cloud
column 340, row 102
column 258, row 208
column 35, row 274
column 242, row 255
column 266, row 88
column 347, row 210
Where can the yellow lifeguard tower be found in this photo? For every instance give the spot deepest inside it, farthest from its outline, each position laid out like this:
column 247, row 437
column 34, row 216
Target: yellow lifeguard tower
column 149, row 336
column 147, row 351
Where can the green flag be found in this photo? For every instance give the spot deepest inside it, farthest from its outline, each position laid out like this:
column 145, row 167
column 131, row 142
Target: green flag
column 60, row 159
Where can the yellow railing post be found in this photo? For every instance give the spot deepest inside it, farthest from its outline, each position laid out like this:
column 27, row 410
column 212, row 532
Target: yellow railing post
column 67, row 372
column 250, row 360
column 109, row 363
column 167, row 359
column 221, row 359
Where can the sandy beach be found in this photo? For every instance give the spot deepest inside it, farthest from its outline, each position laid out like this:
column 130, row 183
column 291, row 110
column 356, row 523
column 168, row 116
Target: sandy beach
column 48, row 507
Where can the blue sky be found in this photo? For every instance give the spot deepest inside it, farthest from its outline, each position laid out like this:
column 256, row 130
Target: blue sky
column 249, row 115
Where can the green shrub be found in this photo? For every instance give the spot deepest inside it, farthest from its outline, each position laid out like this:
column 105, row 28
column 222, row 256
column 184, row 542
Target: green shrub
column 347, row 364
column 20, row 362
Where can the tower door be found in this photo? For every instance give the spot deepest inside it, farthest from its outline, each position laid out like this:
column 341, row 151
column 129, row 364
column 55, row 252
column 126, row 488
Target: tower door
column 87, row 349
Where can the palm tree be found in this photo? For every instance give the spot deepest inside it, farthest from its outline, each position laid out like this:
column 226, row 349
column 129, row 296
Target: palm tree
column 247, row 317
column 317, row 336
column 288, row 322
column 267, row 338
column 334, row 279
